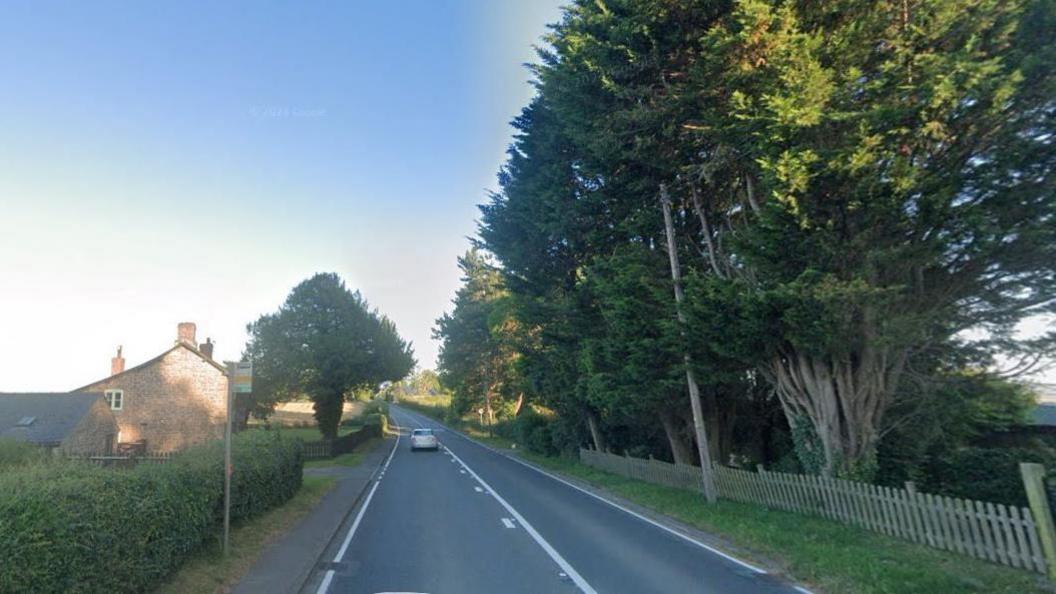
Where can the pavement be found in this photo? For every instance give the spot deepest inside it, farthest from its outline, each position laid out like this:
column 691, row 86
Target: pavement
column 288, row 562
column 468, row 520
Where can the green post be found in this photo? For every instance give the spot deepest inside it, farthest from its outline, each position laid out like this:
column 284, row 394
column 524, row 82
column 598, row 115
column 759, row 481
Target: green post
column 1034, row 483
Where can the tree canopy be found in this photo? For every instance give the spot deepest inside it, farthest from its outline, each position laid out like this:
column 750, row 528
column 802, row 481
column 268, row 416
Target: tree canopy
column 324, row 341
column 861, row 189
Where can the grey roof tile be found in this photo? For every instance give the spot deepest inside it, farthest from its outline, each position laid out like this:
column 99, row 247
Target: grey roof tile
column 55, row 415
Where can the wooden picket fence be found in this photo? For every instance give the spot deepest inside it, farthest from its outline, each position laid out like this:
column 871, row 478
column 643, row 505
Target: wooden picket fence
column 314, row 450
column 1006, row 535
column 119, row 460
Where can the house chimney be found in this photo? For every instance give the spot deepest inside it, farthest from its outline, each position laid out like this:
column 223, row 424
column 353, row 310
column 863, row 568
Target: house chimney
column 207, row 348
column 185, row 332
column 117, row 364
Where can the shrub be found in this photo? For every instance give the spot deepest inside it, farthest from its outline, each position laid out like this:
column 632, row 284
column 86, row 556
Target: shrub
column 376, row 419
column 19, row 453
column 533, row 431
column 71, row 527
column 987, row 474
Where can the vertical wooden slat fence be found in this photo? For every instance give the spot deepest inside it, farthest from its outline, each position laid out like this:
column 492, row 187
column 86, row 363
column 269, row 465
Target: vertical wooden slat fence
column 342, row 445
column 995, row 533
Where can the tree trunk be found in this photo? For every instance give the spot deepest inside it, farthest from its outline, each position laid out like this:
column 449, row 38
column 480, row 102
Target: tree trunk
column 517, row 405
column 595, row 433
column 691, row 381
column 842, row 399
column 328, row 407
column 681, row 450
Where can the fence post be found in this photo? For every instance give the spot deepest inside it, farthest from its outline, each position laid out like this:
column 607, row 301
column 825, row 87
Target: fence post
column 1034, row 483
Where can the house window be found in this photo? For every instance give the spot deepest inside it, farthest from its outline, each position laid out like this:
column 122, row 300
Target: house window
column 115, row 398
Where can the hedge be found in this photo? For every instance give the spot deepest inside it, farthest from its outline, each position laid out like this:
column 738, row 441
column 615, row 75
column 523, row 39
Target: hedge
column 19, row 453
column 986, row 474
column 72, row 527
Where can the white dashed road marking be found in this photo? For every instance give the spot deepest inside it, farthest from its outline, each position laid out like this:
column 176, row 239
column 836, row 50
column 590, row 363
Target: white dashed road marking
column 507, row 522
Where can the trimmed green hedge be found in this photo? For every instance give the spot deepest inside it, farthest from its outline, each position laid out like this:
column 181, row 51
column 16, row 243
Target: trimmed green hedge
column 986, row 474
column 19, row 453
column 72, row 527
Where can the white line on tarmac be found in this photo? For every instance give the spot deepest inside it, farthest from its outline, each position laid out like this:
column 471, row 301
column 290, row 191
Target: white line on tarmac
column 507, row 522
column 564, row 565
column 329, row 577
column 685, row 537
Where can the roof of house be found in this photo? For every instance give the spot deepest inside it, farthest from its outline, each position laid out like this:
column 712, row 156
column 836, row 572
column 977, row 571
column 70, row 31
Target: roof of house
column 43, row 418
column 1043, row 414
column 178, row 345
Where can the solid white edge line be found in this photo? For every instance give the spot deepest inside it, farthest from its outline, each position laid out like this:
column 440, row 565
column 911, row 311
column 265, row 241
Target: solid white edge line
column 684, row 537
column 326, row 582
column 362, row 510
column 568, row 569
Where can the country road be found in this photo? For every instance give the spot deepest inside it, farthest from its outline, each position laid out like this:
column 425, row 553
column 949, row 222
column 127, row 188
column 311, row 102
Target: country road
column 469, row 520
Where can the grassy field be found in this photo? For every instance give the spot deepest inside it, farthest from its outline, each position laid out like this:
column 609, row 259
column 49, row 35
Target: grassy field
column 310, row 433
column 209, row 571
column 828, row 556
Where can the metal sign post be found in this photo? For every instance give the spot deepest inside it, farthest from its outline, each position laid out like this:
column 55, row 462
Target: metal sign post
column 239, row 381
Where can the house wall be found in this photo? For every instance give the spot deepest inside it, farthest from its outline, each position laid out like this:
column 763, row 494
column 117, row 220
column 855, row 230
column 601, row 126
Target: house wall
column 90, row 436
column 174, row 402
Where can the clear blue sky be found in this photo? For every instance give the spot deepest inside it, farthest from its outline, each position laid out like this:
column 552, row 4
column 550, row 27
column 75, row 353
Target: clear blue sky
column 177, row 161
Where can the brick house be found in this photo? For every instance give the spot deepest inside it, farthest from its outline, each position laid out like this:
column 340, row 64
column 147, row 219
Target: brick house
column 74, row 423
column 172, row 401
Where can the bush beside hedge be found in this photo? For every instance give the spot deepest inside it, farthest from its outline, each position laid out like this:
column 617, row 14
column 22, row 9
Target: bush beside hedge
column 19, row 453
column 532, row 431
column 71, row 527
column 986, row 474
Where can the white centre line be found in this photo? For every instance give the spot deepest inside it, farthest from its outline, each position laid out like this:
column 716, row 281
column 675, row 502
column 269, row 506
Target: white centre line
column 622, row 508
column 507, row 522
column 564, row 565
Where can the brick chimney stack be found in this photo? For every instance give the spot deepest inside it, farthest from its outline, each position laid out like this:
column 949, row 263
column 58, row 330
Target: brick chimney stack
column 185, row 333
column 207, row 348
column 117, row 364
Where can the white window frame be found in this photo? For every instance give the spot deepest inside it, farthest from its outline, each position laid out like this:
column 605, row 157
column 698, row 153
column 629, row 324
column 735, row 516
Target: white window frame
column 120, row 400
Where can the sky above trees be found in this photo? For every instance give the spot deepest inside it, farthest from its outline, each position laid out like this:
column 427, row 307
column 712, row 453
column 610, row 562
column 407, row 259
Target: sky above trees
column 193, row 162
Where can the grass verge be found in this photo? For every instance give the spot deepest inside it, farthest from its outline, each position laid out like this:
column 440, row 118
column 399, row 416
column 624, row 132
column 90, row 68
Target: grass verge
column 210, row 571
column 828, row 556
column 353, row 458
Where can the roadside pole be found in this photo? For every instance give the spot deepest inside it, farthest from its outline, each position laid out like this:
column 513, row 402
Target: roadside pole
column 227, row 458
column 239, row 381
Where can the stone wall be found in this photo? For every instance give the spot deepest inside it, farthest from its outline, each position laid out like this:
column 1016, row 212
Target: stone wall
column 175, row 401
column 96, row 430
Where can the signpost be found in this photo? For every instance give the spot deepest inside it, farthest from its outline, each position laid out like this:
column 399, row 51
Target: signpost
column 239, row 381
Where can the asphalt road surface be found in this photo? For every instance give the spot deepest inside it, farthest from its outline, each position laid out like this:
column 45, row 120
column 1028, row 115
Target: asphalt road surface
column 468, row 520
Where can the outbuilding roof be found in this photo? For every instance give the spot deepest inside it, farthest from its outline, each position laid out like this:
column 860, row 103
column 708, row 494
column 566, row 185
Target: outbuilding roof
column 43, row 418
